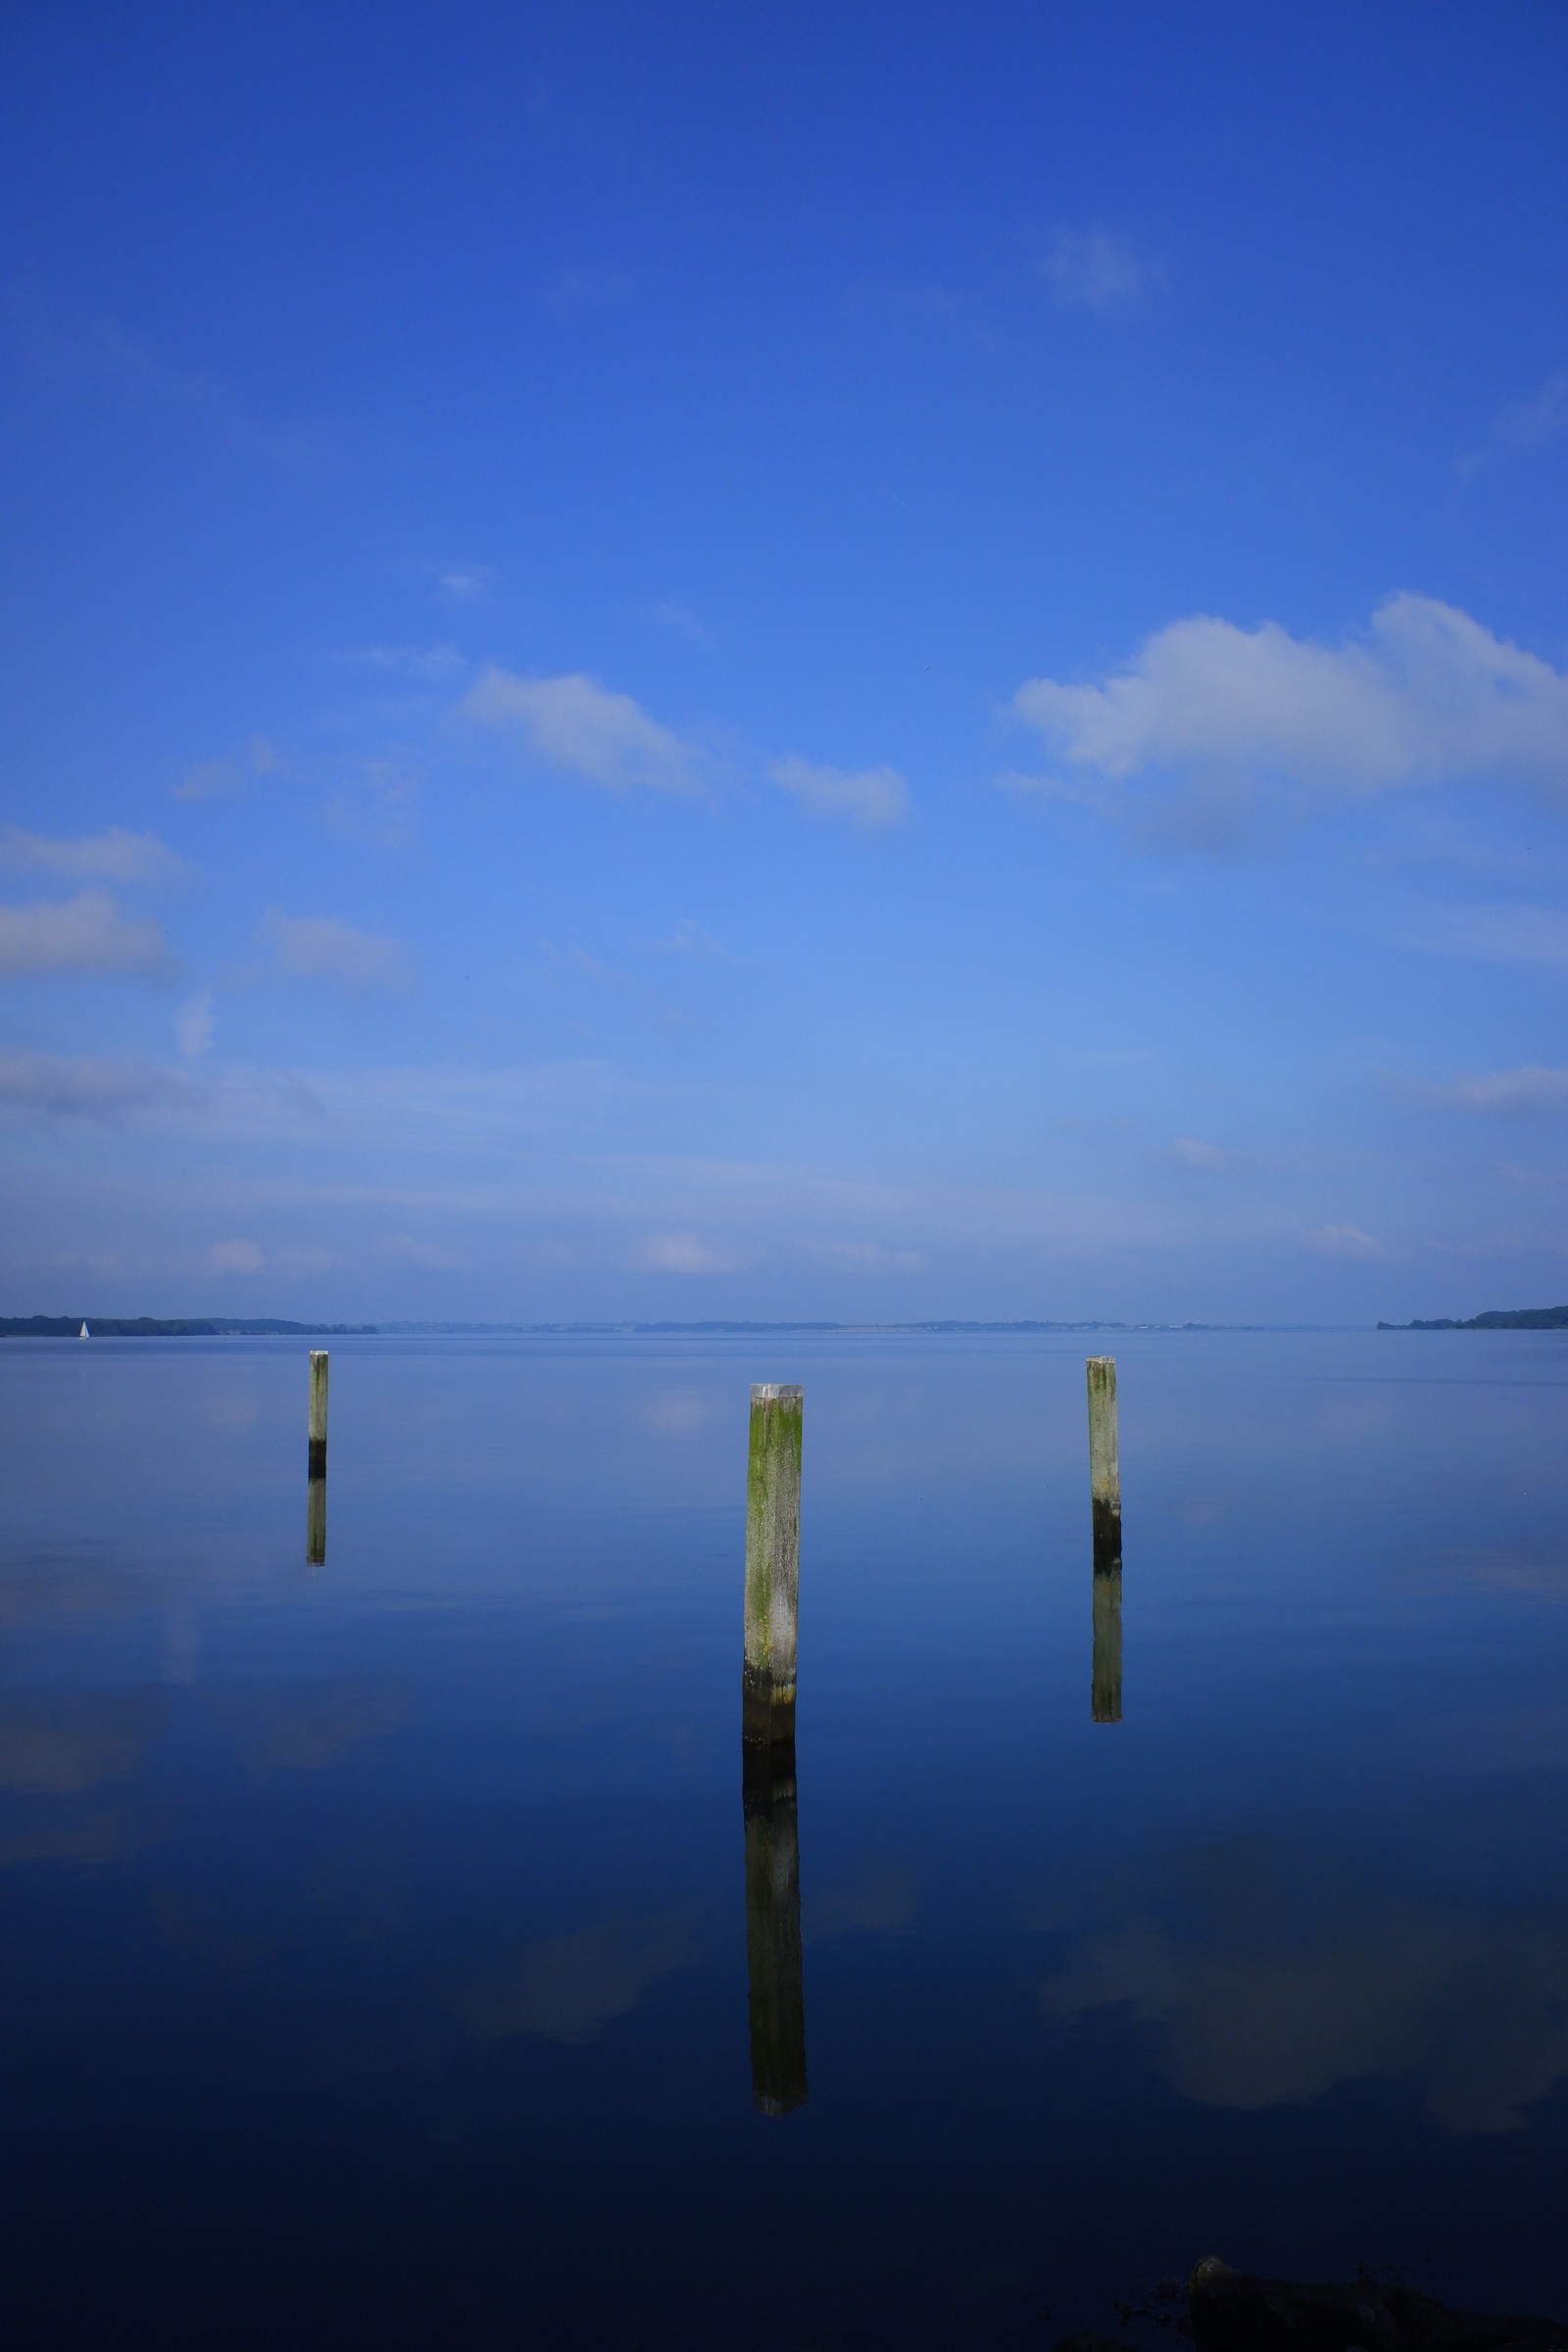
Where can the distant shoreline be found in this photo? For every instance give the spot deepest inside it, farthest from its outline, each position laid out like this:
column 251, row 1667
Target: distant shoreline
column 213, row 1327
column 255, row 1327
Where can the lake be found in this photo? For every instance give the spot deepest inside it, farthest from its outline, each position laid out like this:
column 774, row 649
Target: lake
column 373, row 1936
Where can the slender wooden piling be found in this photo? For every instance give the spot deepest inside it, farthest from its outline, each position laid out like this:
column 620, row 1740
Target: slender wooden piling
column 775, row 1974
column 317, row 1466
column 772, row 1567
column 316, row 1523
column 1104, row 1682
column 1104, row 1467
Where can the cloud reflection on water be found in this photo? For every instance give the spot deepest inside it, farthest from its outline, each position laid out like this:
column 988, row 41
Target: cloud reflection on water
column 1273, row 1977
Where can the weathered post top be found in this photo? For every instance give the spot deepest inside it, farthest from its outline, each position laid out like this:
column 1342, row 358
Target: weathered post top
column 318, row 1459
column 772, row 1564
column 1105, row 1466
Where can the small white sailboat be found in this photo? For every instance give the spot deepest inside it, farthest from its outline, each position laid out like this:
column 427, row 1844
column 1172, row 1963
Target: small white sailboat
column 84, row 1333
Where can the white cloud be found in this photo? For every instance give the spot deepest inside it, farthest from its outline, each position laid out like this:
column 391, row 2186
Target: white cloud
column 115, row 855
column 581, row 728
column 1344, row 1241
column 1522, row 427
column 1095, row 269
column 869, row 798
column 1219, row 720
column 236, row 1257
column 1188, row 1152
column 53, row 1086
column 1529, row 1091
column 193, row 1027
column 314, row 947
column 679, row 1254
column 84, row 934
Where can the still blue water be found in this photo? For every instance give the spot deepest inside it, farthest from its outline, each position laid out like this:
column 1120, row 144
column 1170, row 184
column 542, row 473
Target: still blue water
column 374, row 1961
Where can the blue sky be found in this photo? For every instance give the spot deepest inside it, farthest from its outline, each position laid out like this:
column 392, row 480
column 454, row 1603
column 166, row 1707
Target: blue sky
column 847, row 661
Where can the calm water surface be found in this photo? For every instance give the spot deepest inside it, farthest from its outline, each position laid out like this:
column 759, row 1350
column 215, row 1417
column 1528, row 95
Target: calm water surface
column 374, row 1939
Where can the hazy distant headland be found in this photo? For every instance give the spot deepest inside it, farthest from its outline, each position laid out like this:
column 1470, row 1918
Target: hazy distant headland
column 1496, row 1318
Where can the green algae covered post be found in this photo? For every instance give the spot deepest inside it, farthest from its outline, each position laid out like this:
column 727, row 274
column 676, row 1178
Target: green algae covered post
column 772, row 1567
column 318, row 1468
column 1104, row 1467
column 315, row 1480
column 773, row 1963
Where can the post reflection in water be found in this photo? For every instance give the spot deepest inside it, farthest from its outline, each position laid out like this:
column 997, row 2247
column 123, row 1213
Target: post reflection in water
column 316, row 1523
column 773, row 1927
column 1105, row 1672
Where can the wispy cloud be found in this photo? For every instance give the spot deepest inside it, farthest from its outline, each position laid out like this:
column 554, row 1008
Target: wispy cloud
column 1495, row 934
column 236, row 1257
column 199, row 397
column 680, row 620
column 680, row 1254
column 220, row 779
column 193, row 1027
column 378, row 805
column 315, row 947
column 868, row 798
column 115, row 855
column 590, row 292
column 54, row 1086
column 690, row 939
column 466, row 583
column 1344, row 1241
column 84, row 934
column 1212, row 724
column 1189, row 1151
column 1095, row 269
column 1531, row 1092
column 425, row 1257
column 580, row 728
column 1522, row 427
column 433, row 665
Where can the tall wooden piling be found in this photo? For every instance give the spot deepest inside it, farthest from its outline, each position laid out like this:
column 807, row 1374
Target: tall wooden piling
column 1104, row 1681
column 316, row 1474
column 772, row 1567
column 1105, row 1466
column 775, row 1972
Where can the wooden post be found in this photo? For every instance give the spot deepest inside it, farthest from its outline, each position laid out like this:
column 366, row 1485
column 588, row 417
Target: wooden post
column 316, row 1475
column 1105, row 1680
column 775, row 1977
column 318, row 1468
column 772, row 1567
column 1104, row 1467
